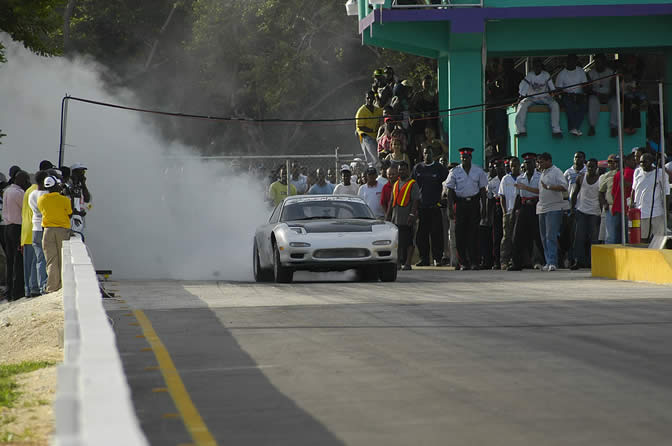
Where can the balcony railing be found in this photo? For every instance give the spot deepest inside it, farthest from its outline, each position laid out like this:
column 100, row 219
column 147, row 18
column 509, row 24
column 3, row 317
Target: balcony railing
column 426, row 4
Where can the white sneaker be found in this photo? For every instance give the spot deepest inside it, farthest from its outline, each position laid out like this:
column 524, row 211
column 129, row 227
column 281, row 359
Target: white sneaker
column 544, row 268
column 579, row 132
column 552, row 268
column 575, row 132
column 537, row 266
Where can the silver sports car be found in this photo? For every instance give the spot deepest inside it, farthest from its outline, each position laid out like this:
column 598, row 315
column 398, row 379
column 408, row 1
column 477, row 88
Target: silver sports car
column 324, row 233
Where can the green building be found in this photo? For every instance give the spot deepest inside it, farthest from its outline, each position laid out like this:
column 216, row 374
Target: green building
column 462, row 34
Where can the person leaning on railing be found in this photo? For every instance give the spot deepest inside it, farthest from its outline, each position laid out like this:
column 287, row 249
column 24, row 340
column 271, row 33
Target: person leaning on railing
column 56, row 211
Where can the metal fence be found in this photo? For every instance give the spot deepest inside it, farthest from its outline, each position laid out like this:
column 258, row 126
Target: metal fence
column 401, row 4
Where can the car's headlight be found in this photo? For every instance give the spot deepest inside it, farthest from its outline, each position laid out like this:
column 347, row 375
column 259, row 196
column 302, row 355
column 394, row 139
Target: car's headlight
column 297, row 229
column 299, row 245
column 382, row 242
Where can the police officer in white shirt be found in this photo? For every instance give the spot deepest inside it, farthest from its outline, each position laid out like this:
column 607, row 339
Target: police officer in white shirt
column 537, row 84
column 602, row 92
column 573, row 97
column 465, row 189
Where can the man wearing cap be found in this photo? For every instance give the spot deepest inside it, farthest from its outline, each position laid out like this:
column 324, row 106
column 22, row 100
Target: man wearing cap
column 526, row 231
column 402, row 211
column 550, row 207
column 371, row 192
column 346, row 187
column 40, row 260
column 12, row 215
column 56, row 210
column 430, row 176
column 606, row 199
column 367, row 121
column 80, row 196
column 466, row 194
column 535, row 89
column 507, row 195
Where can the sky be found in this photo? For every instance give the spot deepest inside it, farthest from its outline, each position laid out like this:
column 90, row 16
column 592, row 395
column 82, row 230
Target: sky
column 159, row 212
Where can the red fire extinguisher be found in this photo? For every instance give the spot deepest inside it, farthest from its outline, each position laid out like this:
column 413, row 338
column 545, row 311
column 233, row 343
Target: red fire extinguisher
column 634, row 226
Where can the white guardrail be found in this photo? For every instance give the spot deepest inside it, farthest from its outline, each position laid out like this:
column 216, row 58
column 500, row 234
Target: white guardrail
column 93, row 403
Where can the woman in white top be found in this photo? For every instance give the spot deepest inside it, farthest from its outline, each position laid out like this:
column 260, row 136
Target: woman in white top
column 588, row 214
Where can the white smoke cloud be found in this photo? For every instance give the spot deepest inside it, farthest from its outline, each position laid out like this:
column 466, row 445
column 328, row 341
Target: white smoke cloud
column 152, row 216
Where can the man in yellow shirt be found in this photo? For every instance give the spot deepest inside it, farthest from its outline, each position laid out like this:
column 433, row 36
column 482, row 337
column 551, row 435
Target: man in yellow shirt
column 278, row 190
column 56, row 211
column 30, row 282
column 367, row 122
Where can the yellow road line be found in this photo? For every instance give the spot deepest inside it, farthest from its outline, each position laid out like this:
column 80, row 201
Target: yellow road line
column 192, row 419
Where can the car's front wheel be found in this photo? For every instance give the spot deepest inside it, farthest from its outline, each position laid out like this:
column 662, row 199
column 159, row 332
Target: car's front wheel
column 388, row 272
column 260, row 274
column 282, row 273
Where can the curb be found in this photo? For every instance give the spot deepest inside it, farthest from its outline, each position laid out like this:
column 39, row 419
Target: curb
column 93, row 403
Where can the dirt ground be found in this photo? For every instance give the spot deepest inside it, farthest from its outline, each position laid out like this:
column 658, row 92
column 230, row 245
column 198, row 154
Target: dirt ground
column 31, row 330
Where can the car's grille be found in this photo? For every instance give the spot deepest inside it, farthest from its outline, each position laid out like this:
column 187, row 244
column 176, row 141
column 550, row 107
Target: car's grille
column 341, row 253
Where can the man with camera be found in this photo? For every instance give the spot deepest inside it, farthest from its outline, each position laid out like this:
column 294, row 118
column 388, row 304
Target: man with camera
column 80, row 197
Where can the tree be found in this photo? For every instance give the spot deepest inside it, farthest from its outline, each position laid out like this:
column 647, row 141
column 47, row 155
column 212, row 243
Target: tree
column 32, row 22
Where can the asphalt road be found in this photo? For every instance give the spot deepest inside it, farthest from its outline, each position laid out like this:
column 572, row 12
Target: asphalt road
column 437, row 358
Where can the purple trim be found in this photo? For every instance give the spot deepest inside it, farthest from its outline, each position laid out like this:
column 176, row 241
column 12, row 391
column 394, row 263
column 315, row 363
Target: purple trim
column 472, row 20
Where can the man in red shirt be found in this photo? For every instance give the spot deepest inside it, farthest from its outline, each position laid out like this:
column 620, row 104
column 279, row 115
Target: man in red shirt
column 392, row 176
column 614, row 220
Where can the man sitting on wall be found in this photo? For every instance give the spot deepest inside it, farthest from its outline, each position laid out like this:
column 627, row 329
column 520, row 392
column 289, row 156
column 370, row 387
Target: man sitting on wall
column 535, row 89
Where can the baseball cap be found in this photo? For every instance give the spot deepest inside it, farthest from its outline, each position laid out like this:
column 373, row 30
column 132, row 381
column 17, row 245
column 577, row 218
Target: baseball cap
column 345, row 168
column 50, row 182
column 78, row 166
column 371, row 169
column 46, row 164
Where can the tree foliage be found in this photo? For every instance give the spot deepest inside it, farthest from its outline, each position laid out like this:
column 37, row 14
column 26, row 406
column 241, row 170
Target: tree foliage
column 32, row 22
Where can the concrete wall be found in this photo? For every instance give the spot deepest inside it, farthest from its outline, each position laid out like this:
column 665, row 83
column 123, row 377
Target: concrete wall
column 93, row 403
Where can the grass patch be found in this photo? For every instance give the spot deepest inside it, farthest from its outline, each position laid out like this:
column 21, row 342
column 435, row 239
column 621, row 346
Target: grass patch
column 9, row 390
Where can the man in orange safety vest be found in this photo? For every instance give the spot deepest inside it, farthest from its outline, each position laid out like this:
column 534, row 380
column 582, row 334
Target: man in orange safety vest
column 402, row 211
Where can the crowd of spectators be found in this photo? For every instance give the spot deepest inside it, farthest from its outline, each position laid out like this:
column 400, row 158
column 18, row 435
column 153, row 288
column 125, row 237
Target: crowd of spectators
column 39, row 212
column 521, row 213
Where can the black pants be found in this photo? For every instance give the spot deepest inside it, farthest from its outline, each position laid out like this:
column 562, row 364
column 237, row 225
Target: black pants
column 467, row 218
column 497, row 233
column 14, row 275
column 430, row 224
column 526, row 235
column 405, row 241
column 485, row 245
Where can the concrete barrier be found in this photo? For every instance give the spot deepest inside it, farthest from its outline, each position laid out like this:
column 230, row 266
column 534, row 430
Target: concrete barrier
column 93, row 403
column 630, row 263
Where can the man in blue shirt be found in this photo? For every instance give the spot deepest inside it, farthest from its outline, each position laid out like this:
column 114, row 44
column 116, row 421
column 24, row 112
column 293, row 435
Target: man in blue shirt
column 321, row 187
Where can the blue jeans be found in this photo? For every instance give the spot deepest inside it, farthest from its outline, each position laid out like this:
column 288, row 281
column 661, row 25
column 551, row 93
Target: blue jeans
column 41, row 261
column 614, row 228
column 549, row 230
column 587, row 234
column 576, row 110
column 30, row 284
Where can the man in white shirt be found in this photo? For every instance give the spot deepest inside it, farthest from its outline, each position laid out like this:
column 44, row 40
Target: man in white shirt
column 569, row 228
column 588, row 213
column 507, row 199
column 573, row 97
column 651, row 206
column 537, row 84
column 602, row 92
column 552, row 203
column 371, row 192
column 346, row 187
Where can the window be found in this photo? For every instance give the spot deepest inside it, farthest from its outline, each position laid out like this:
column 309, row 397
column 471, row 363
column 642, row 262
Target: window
column 276, row 214
column 326, row 209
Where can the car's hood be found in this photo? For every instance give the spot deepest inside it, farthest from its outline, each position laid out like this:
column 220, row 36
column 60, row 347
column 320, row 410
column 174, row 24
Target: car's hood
column 318, row 226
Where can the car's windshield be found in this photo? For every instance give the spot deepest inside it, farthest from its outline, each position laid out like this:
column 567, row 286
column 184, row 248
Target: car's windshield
column 313, row 210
